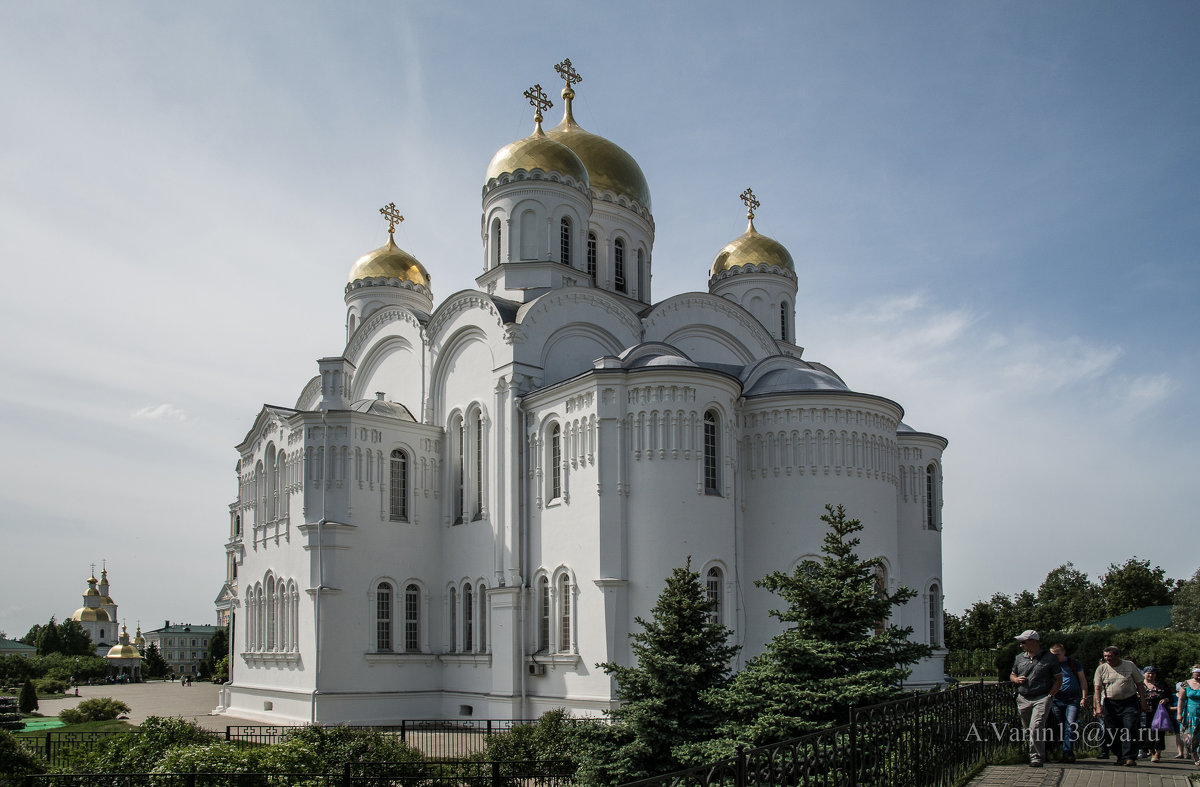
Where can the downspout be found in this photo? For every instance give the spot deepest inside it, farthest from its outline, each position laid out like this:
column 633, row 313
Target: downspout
column 312, row 700
column 523, row 544
column 737, row 548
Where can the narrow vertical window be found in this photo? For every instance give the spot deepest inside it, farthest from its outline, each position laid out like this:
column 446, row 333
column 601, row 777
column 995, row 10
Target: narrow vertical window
column 935, row 615
column 555, row 462
column 399, row 486
column 543, row 615
column 931, row 496
column 640, row 274
column 619, row 264
column 453, row 620
column 478, row 465
column 564, row 241
column 783, row 321
column 496, row 242
column 711, row 454
column 412, row 619
column 564, row 614
column 713, row 589
column 591, row 255
column 383, row 618
column 459, row 466
column 483, row 621
column 468, row 602
column 270, row 609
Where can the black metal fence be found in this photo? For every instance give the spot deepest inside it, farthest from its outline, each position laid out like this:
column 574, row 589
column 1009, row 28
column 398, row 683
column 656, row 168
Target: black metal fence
column 437, row 739
column 57, row 749
column 510, row 773
column 926, row 740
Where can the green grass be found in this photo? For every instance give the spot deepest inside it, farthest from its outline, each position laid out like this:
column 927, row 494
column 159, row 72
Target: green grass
column 114, row 725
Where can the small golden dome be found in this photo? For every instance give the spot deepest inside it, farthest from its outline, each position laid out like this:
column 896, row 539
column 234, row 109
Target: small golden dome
column 91, row 592
column 390, row 262
column 752, row 248
column 609, row 168
column 90, row 615
column 107, row 600
column 537, row 152
column 124, row 651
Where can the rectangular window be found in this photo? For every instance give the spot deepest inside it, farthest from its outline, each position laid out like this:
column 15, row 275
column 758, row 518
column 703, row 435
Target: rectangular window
column 412, row 631
column 564, row 630
column 383, row 619
column 591, row 255
column 478, row 466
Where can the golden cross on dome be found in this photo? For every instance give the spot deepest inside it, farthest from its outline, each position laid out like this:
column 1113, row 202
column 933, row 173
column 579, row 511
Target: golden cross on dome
column 568, row 73
column 751, row 203
column 93, row 570
column 539, row 101
column 393, row 216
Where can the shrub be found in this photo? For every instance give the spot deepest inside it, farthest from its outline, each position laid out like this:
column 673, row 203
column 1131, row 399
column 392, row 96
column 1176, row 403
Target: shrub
column 52, row 686
column 15, row 760
column 334, row 746
column 95, row 709
column 28, row 701
column 552, row 737
column 140, row 753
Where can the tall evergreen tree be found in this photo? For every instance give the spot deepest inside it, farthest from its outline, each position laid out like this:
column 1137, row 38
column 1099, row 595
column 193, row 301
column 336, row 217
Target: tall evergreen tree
column 48, row 641
column 837, row 651
column 28, row 701
column 156, row 665
column 681, row 655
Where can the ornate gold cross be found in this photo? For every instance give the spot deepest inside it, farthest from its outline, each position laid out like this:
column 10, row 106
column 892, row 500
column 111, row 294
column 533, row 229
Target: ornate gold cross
column 751, row 203
column 539, row 101
column 568, row 73
column 393, row 216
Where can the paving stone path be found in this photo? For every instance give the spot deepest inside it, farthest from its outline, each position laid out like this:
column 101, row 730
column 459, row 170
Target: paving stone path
column 1091, row 773
column 194, row 702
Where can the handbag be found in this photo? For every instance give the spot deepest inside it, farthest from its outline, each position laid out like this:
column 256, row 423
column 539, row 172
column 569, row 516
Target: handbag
column 1161, row 720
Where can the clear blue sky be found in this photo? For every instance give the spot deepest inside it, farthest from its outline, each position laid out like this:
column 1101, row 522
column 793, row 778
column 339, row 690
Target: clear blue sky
column 994, row 209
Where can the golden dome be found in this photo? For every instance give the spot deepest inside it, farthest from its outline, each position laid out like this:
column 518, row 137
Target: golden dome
column 390, row 262
column 537, row 152
column 91, row 592
column 123, row 651
column 609, row 168
column 751, row 248
column 107, row 600
column 90, row 615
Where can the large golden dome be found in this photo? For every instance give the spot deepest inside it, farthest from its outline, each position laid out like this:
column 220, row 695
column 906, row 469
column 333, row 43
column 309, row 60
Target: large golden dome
column 390, row 262
column 609, row 168
column 90, row 615
column 752, row 248
column 537, row 152
column 123, row 651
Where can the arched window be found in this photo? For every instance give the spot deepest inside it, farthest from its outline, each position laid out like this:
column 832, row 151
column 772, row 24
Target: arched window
column 783, row 321
column 935, row 615
column 564, row 614
column 458, row 433
column 483, row 621
column 412, row 619
column 714, row 580
column 383, row 617
column 399, row 486
column 543, row 639
column 271, row 616
column 619, row 264
column 712, row 454
column 477, row 450
column 641, row 273
column 468, row 602
column 555, row 462
column 591, row 255
column 272, row 478
column 453, row 620
column 496, row 244
column 564, row 241
column 529, row 236
column 931, row 497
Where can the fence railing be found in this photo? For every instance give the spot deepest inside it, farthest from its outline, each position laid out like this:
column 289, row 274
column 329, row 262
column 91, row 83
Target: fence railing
column 438, row 739
column 57, row 748
column 499, row 773
column 925, row 740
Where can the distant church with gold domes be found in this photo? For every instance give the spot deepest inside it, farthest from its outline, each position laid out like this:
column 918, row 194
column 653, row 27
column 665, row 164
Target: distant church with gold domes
column 98, row 615
column 466, row 509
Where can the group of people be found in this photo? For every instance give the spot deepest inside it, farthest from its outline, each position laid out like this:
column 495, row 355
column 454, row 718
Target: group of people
column 1136, row 707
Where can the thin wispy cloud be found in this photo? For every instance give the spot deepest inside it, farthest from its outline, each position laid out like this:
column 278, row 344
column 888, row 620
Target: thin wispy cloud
column 160, row 412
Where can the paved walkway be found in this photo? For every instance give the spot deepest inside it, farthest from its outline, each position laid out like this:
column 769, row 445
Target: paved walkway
column 1091, row 773
column 195, row 702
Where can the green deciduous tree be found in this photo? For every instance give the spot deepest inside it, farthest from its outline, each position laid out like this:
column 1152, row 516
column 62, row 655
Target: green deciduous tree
column 48, row 639
column 1134, row 585
column 74, row 640
column 833, row 655
column 681, row 656
column 1186, row 614
column 1067, row 598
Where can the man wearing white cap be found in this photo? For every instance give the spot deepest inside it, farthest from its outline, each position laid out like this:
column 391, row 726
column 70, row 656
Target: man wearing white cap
column 1038, row 677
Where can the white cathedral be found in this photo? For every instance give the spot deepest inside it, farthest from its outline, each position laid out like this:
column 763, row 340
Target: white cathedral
column 465, row 510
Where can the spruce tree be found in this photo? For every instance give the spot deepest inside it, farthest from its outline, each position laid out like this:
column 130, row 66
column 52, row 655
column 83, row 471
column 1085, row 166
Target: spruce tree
column 48, row 641
column 682, row 656
column 27, row 702
column 837, row 651
column 156, row 665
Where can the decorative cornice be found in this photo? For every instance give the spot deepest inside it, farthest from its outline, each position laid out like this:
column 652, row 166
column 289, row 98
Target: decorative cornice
column 760, row 267
column 363, row 334
column 460, row 302
column 388, row 281
column 536, row 174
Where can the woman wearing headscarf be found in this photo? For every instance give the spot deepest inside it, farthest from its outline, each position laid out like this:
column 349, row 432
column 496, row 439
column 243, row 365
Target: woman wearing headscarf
column 1158, row 693
column 1188, row 712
